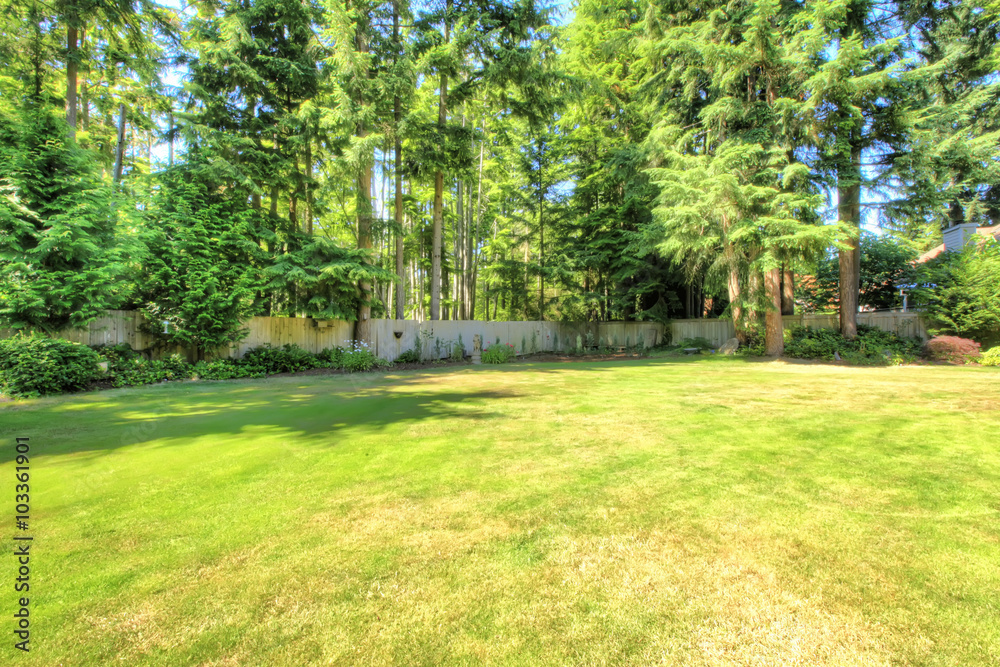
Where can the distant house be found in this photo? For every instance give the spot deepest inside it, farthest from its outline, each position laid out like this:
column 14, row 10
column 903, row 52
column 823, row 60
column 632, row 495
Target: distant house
column 957, row 237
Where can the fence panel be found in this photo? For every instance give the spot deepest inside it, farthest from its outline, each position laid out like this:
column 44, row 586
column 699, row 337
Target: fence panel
column 718, row 332
column 434, row 339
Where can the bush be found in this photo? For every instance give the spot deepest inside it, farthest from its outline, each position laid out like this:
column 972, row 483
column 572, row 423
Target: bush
column 960, row 292
column 132, row 370
column 872, row 346
column 285, row 359
column 499, row 353
column 408, row 357
column 700, row 343
column 359, row 358
column 754, row 344
column 226, row 369
column 990, row 357
column 332, row 357
column 36, row 365
column 952, row 349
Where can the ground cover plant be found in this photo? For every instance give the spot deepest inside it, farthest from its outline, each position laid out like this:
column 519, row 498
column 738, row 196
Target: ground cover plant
column 871, row 347
column 699, row 510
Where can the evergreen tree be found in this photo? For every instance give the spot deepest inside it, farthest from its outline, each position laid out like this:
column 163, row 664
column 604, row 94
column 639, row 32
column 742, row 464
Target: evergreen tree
column 847, row 57
column 203, row 272
column 734, row 197
column 62, row 256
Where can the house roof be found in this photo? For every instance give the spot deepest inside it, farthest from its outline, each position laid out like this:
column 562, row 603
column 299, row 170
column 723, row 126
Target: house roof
column 937, row 250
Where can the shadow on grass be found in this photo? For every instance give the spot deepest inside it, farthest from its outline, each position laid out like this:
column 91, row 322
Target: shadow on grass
column 316, row 407
column 320, row 409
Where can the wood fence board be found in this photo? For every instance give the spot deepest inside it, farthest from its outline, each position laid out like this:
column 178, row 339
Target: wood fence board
column 117, row 327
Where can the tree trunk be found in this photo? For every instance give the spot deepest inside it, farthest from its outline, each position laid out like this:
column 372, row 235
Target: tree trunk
column 84, row 90
column 308, row 186
column 120, row 145
column 774, row 338
column 170, row 143
column 436, row 241
column 849, row 212
column 541, row 250
column 458, row 251
column 787, row 291
column 72, row 54
column 735, row 293
column 362, row 327
column 398, row 173
column 438, row 217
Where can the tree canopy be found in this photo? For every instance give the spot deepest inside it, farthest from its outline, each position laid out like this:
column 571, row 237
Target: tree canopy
column 459, row 159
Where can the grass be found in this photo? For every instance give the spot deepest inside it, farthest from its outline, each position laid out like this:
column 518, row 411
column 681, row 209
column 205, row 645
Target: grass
column 689, row 511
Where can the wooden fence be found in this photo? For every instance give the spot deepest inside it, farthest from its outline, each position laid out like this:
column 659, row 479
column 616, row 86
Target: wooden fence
column 719, row 331
column 389, row 338
column 437, row 340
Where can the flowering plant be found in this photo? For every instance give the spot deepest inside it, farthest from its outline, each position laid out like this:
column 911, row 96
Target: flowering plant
column 358, row 357
column 498, row 354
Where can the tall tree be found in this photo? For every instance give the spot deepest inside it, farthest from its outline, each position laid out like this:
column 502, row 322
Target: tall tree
column 63, row 258
column 847, row 56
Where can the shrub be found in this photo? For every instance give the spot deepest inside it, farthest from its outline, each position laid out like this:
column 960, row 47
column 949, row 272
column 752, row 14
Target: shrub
column 115, row 353
column 226, row 369
column 332, row 357
column 872, row 346
column 408, row 357
column 805, row 343
column 991, row 357
column 126, row 370
column 952, row 349
column 960, row 292
column 499, row 353
column 700, row 343
column 754, row 344
column 36, row 365
column 285, row 359
column 358, row 357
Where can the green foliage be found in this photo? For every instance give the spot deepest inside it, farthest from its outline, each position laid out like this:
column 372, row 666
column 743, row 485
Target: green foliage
column 320, row 278
column 332, row 357
column 285, row 359
column 872, row 346
column 498, row 353
column 358, row 357
column 961, row 292
column 952, row 349
column 136, row 371
column 226, row 369
column 34, row 365
column 127, row 368
column 408, row 357
column 458, row 350
column 61, row 256
column 885, row 265
column 700, row 343
column 990, row 357
column 201, row 275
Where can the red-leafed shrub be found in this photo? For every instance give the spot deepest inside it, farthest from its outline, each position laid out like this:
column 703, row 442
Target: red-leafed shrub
column 952, row 349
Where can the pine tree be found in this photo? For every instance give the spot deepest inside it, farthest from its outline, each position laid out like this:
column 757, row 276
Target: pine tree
column 62, row 256
column 847, row 56
column 734, row 197
column 203, row 272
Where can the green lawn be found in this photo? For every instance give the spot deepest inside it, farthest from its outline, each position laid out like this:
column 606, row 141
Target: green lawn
column 695, row 512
